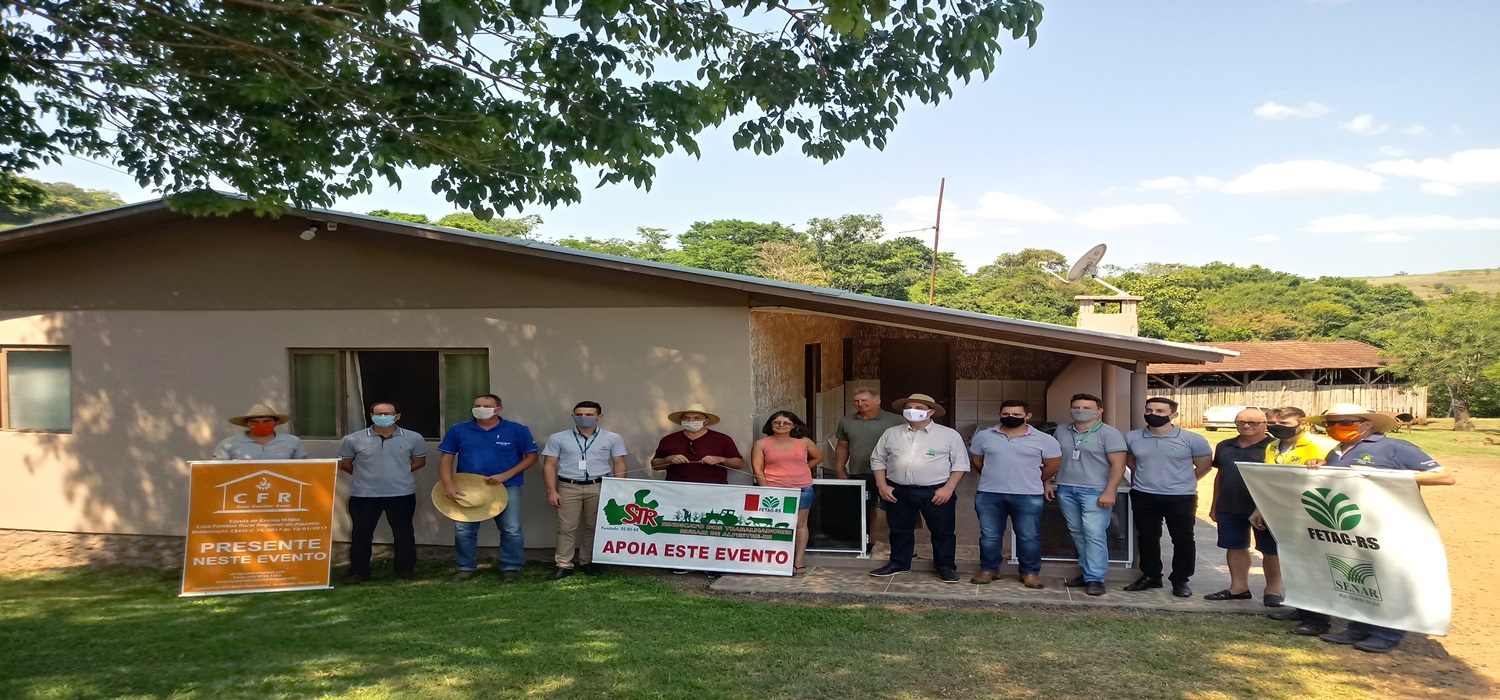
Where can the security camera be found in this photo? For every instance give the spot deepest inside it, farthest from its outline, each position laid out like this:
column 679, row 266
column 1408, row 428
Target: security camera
column 310, row 233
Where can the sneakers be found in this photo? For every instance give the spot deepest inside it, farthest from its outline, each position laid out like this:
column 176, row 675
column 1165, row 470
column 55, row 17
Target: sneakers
column 890, row 569
column 1032, row 581
column 462, row 576
column 1095, row 588
column 1144, row 583
column 948, row 576
column 559, row 573
column 983, row 577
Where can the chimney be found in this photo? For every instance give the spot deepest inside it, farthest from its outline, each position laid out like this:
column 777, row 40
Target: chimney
column 1118, row 314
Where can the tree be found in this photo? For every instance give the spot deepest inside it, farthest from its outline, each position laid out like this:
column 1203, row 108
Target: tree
column 789, row 262
column 303, row 103
column 57, row 199
column 510, row 228
column 731, row 245
column 400, row 216
column 651, row 246
column 1450, row 343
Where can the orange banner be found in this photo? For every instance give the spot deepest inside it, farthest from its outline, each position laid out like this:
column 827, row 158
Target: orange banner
column 255, row 527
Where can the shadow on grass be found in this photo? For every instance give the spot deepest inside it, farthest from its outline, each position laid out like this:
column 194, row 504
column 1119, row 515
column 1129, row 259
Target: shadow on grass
column 85, row 634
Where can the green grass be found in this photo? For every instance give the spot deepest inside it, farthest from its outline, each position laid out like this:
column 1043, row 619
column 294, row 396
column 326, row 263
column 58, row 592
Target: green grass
column 93, row 634
column 1487, row 281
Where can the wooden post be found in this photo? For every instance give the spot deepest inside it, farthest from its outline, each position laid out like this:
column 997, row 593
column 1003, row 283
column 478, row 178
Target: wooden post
column 937, row 230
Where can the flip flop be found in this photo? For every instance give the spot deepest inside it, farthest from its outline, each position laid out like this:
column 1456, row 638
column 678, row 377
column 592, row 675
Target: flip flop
column 1226, row 595
column 799, row 570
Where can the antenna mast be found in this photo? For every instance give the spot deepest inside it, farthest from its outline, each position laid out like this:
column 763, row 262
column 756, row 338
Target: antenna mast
column 937, row 230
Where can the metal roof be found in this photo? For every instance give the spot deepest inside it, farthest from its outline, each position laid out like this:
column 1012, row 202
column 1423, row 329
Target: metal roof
column 764, row 294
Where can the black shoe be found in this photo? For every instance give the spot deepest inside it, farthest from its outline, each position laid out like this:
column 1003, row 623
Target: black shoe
column 1226, row 595
column 559, row 573
column 1095, row 588
column 1272, row 600
column 1181, row 590
column 948, row 576
column 890, row 569
column 510, row 576
column 1076, row 582
column 1287, row 615
column 355, row 579
column 679, row 572
column 592, row 569
column 1309, row 629
column 713, row 575
column 1377, row 646
column 406, row 575
column 1345, row 637
column 1145, row 582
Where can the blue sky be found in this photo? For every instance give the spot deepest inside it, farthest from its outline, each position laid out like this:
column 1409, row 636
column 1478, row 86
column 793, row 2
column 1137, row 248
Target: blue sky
column 1346, row 138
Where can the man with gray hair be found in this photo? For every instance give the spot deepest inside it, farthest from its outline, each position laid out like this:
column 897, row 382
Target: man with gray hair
column 857, row 435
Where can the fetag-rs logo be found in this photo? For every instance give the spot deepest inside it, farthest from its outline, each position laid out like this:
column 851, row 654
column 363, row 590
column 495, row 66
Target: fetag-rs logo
column 1355, row 577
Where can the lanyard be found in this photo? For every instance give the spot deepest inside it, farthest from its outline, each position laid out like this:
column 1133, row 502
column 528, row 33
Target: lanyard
column 1078, row 442
column 584, row 445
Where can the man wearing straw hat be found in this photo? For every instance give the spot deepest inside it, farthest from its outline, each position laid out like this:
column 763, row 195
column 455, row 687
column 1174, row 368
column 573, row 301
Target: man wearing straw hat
column 1363, row 444
column 260, row 441
column 500, row 451
column 696, row 454
column 917, row 468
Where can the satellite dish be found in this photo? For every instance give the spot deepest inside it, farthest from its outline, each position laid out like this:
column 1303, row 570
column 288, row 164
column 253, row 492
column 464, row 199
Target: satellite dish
column 1088, row 265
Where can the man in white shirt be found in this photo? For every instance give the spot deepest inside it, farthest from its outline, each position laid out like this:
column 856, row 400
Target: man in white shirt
column 917, row 468
column 573, row 463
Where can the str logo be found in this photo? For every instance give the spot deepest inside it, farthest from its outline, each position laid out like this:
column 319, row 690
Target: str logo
column 1355, row 577
column 263, row 492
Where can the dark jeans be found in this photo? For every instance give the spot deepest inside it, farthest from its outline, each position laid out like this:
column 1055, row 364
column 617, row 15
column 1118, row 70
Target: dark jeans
column 1179, row 512
column 912, row 501
column 1025, row 515
column 364, row 515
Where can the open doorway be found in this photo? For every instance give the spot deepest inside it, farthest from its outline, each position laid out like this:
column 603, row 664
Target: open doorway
column 918, row 367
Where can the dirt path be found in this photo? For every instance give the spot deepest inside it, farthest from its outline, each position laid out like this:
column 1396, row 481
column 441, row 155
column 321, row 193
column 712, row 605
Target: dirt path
column 1468, row 515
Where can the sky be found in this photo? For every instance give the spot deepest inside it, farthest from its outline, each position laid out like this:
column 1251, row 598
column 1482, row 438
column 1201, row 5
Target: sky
column 1353, row 138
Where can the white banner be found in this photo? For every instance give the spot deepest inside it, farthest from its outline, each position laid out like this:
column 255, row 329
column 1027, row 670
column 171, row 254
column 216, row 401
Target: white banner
column 1356, row 543
column 702, row 527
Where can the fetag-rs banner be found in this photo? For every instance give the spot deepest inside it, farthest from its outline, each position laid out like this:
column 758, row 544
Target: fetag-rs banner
column 705, row 527
column 1356, row 543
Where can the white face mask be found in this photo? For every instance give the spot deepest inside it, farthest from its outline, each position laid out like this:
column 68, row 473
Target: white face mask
column 484, row 412
column 915, row 415
column 692, row 426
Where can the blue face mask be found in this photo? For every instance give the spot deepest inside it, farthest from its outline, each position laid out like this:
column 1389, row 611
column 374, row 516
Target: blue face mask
column 585, row 421
column 383, row 421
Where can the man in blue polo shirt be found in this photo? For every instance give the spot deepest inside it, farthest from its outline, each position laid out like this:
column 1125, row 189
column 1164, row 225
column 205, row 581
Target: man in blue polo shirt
column 1362, row 444
column 501, row 451
column 1166, row 463
column 1014, row 463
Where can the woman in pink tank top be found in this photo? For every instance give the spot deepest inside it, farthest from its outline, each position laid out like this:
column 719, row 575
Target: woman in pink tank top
column 785, row 459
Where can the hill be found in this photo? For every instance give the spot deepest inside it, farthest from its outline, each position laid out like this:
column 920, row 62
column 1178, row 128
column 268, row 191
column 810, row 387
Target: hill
column 1438, row 283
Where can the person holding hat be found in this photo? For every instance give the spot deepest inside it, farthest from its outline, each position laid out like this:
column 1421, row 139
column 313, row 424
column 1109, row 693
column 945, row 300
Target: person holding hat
column 917, row 468
column 500, row 451
column 478, row 500
column 259, row 440
column 1363, row 444
column 696, row 454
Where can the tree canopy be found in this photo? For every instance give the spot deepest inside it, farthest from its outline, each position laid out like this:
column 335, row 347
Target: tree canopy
column 507, row 102
column 55, row 200
column 1453, row 343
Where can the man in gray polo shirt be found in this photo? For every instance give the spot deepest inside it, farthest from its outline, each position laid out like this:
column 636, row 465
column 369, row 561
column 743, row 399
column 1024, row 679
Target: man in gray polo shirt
column 1167, row 463
column 574, row 462
column 1014, row 462
column 381, row 459
column 1093, row 465
column 857, row 435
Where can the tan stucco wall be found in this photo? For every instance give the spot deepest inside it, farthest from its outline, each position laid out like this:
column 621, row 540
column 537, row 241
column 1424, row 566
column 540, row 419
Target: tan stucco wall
column 152, row 389
column 1084, row 376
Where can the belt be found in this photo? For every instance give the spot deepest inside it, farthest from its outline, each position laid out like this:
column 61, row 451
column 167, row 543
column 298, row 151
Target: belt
column 582, row 482
column 906, row 486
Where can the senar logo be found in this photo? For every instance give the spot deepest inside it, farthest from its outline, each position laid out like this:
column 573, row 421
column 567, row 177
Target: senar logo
column 1332, row 510
column 1355, row 577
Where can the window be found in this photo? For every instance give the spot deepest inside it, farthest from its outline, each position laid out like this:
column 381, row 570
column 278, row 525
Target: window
column 332, row 389
column 36, row 389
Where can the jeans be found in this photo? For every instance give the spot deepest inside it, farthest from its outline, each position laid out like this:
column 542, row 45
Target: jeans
column 1090, row 527
column 1025, row 515
column 512, row 546
column 1179, row 512
column 364, row 515
column 941, row 520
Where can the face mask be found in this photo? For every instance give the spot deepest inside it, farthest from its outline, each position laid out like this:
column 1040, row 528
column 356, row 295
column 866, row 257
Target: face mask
column 484, row 412
column 262, row 429
column 1012, row 421
column 1156, row 421
column 585, row 421
column 1344, row 433
column 1282, row 432
column 915, row 415
column 1083, row 415
column 383, row 421
column 692, row 426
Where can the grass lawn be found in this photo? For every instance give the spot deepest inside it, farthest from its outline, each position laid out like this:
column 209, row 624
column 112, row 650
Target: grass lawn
column 93, row 634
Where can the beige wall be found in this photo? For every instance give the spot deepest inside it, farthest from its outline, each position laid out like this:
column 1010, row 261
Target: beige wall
column 152, row 389
column 777, row 347
column 1083, row 376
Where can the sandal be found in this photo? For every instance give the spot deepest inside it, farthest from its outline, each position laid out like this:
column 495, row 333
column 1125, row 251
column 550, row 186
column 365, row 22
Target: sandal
column 799, row 570
column 1226, row 595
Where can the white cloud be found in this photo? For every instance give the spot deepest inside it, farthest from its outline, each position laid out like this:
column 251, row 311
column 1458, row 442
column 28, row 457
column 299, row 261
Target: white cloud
column 1182, row 185
column 1304, row 177
column 1463, row 171
column 1390, row 151
column 1130, row 216
column 914, row 216
column 1364, row 125
column 1273, row 111
column 1360, row 223
column 1414, row 130
column 1265, row 239
column 1389, row 238
column 1009, row 207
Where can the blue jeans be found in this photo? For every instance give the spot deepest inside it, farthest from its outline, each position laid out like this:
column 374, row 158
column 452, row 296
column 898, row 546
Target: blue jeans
column 1090, row 527
column 1025, row 515
column 512, row 546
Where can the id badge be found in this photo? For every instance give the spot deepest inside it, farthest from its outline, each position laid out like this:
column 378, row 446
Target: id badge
column 583, row 466
column 1077, row 454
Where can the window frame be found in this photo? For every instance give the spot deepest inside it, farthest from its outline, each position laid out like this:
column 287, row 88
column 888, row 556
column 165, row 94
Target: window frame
column 5, row 351
column 341, row 381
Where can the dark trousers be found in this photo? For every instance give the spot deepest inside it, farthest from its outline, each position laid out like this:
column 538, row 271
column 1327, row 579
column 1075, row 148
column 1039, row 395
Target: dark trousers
column 1179, row 512
column 912, row 501
column 364, row 515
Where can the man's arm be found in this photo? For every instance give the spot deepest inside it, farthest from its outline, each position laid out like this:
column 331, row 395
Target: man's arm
column 549, row 476
column 877, row 467
column 1116, row 477
column 841, row 459
column 1050, row 465
column 946, row 492
column 445, row 474
column 346, row 464
column 1202, row 466
column 526, row 462
column 617, row 466
column 1439, row 477
column 418, row 462
column 976, row 463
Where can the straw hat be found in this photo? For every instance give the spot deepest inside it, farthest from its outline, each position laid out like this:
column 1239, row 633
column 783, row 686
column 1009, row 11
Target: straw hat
column 676, row 416
column 480, row 502
column 260, row 410
column 1381, row 421
column 937, row 411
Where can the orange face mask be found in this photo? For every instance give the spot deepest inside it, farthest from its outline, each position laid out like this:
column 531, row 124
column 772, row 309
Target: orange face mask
column 262, row 429
column 1344, row 433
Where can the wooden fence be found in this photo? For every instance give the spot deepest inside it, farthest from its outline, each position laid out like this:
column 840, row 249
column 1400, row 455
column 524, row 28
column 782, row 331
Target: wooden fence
column 1303, row 394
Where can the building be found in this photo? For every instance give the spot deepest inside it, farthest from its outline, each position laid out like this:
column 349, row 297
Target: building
column 127, row 337
column 1307, row 374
